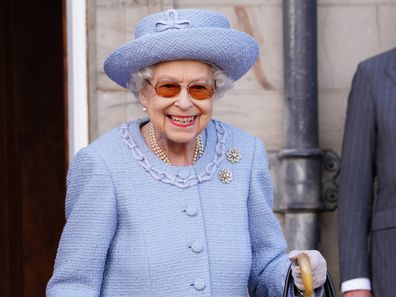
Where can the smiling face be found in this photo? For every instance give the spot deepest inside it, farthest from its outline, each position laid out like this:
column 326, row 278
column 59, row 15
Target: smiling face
column 181, row 118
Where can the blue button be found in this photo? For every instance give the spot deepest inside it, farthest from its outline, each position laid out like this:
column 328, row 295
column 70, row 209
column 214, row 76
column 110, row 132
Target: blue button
column 184, row 173
column 191, row 210
column 199, row 284
column 196, row 246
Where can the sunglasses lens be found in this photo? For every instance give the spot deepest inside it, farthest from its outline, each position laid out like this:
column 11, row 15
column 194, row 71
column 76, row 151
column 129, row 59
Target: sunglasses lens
column 167, row 89
column 200, row 91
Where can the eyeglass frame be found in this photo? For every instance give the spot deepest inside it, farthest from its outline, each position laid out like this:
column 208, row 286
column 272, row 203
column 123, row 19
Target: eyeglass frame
column 213, row 86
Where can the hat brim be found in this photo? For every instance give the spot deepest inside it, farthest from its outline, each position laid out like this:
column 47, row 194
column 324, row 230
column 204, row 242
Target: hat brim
column 233, row 51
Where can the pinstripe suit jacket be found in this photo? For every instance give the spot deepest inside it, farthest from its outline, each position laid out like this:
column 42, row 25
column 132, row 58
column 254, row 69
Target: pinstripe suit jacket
column 368, row 154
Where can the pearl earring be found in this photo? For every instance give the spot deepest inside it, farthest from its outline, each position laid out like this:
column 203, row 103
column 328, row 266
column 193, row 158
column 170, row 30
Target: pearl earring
column 144, row 109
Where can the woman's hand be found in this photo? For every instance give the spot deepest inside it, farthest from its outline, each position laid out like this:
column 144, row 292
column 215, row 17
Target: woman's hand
column 358, row 293
column 318, row 264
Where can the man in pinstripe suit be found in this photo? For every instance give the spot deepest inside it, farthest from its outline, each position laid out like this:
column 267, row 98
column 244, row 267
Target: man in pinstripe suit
column 367, row 226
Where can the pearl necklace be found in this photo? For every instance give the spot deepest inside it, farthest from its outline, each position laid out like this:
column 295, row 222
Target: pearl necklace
column 161, row 154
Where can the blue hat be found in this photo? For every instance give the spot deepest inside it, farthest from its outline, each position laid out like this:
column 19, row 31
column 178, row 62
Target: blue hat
column 184, row 34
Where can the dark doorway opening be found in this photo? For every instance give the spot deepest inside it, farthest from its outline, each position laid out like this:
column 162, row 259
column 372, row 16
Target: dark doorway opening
column 33, row 142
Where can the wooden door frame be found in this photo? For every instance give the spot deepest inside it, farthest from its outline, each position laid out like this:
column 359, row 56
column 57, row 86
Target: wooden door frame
column 77, row 86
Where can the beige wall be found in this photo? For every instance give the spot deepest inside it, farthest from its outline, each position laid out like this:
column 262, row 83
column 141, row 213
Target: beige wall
column 348, row 32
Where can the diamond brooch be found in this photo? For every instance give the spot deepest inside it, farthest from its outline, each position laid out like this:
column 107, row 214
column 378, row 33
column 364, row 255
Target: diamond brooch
column 234, row 155
column 225, row 176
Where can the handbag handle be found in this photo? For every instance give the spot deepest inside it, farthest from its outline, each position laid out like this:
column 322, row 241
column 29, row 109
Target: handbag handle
column 328, row 285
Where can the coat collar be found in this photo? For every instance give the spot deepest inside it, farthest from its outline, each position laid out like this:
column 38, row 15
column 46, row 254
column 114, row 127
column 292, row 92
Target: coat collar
column 391, row 69
column 214, row 136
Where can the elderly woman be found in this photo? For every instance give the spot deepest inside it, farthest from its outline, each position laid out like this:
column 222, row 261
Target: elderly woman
column 176, row 204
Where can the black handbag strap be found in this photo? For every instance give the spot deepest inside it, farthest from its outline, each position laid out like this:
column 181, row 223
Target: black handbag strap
column 328, row 285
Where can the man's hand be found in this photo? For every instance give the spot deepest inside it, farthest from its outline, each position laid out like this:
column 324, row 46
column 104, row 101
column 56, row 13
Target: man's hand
column 358, row 293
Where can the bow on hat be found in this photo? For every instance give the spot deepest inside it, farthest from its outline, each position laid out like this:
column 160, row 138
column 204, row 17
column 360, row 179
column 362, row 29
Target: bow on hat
column 172, row 22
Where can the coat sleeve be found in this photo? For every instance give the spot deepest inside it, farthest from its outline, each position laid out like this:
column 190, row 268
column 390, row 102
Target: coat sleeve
column 356, row 181
column 90, row 226
column 269, row 261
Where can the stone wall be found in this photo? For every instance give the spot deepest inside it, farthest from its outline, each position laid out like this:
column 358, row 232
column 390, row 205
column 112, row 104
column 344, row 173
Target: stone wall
column 348, row 32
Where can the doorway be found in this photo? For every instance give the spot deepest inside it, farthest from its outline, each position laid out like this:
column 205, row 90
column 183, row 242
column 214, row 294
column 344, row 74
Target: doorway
column 33, row 142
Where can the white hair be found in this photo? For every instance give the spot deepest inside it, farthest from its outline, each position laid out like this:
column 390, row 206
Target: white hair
column 139, row 80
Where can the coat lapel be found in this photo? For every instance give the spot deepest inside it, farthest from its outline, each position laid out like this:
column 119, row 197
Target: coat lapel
column 391, row 69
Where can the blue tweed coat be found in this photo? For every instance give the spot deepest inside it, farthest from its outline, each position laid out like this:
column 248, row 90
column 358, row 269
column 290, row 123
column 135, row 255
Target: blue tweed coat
column 139, row 227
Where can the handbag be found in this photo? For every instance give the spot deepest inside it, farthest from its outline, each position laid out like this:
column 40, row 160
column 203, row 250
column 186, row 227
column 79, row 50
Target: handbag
column 328, row 285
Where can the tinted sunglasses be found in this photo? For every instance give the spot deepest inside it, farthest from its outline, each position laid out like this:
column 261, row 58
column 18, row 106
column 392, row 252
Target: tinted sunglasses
column 169, row 89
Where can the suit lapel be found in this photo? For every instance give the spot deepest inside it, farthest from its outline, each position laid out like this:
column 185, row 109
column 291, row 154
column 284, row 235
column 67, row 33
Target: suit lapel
column 391, row 69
